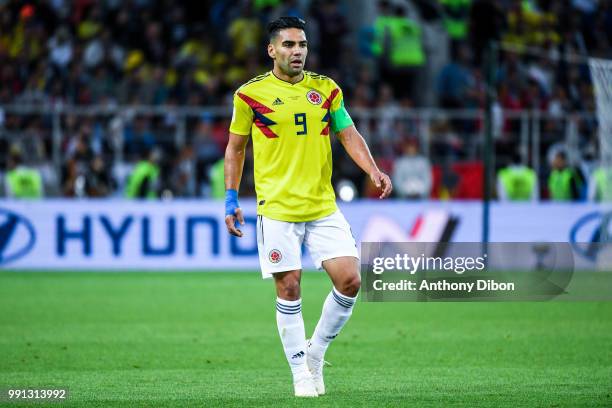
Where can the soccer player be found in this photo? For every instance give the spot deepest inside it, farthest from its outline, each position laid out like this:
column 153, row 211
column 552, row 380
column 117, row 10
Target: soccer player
column 290, row 114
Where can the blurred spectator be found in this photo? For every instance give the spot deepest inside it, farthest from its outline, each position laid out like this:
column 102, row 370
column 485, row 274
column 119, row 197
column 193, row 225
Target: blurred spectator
column 455, row 80
column 412, row 173
column 138, row 138
column 32, row 141
column 559, row 104
column 528, row 26
column 181, row 181
column 77, row 167
column 207, row 152
column 99, row 182
column 456, row 14
column 154, row 48
column 101, row 85
column 60, row 47
column 22, row 181
column 102, row 50
column 517, row 182
column 333, row 28
column 217, row 180
column 144, row 180
column 245, row 32
column 540, row 70
column 177, row 32
column 398, row 46
column 290, row 8
column 388, row 112
column 446, row 144
column 600, row 185
column 486, row 24
column 449, row 181
column 564, row 183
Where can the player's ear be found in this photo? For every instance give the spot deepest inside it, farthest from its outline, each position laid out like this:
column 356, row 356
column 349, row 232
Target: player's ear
column 271, row 51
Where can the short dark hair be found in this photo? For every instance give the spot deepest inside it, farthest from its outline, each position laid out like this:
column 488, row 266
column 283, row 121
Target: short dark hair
column 562, row 155
column 282, row 23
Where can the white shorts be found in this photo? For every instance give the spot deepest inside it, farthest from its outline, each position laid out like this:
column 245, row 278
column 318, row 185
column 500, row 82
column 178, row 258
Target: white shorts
column 280, row 243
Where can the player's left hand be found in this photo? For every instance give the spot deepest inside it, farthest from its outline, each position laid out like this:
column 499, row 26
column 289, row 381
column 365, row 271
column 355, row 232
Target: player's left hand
column 381, row 181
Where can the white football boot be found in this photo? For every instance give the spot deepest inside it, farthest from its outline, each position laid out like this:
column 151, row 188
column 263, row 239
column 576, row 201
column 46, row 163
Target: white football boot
column 304, row 386
column 316, row 369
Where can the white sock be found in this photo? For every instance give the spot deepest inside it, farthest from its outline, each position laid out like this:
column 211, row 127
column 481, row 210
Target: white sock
column 293, row 336
column 336, row 311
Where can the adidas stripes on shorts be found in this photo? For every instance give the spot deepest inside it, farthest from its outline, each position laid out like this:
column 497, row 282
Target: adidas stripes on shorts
column 280, row 242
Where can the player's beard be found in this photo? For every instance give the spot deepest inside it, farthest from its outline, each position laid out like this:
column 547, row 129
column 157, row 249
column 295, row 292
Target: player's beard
column 293, row 71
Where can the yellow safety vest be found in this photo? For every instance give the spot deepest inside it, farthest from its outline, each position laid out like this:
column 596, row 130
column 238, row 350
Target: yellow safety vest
column 25, row 183
column 518, row 183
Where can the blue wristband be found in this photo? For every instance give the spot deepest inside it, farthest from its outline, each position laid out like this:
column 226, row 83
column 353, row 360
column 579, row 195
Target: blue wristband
column 231, row 202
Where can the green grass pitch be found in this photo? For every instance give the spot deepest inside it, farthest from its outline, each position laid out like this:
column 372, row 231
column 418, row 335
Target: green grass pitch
column 210, row 339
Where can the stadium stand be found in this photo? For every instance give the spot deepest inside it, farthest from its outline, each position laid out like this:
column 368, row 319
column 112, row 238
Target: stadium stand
column 90, row 87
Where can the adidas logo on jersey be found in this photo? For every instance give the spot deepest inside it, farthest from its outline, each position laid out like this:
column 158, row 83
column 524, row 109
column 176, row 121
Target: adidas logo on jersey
column 277, row 101
column 298, row 355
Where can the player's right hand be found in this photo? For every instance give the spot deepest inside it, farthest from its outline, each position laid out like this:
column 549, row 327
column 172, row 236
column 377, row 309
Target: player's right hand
column 233, row 213
column 232, row 225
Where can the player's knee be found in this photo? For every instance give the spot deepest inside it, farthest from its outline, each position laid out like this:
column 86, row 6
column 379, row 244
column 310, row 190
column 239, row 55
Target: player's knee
column 350, row 286
column 289, row 289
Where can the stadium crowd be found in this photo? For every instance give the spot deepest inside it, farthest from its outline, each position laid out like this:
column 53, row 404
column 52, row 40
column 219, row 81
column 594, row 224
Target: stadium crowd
column 417, row 53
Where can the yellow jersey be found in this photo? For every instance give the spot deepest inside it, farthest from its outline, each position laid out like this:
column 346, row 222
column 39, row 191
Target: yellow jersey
column 290, row 125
